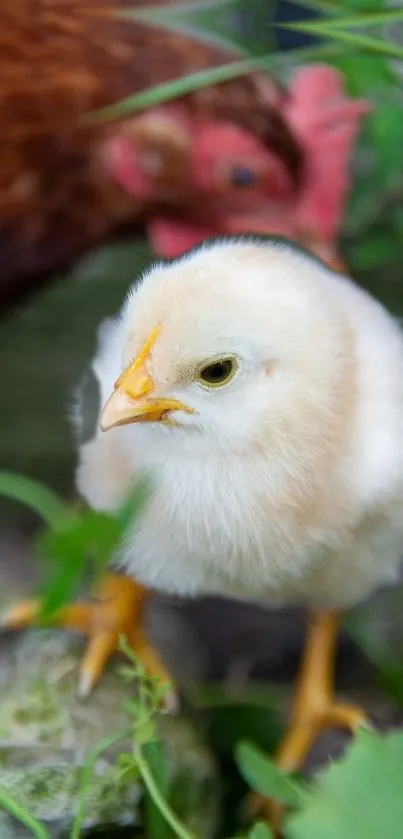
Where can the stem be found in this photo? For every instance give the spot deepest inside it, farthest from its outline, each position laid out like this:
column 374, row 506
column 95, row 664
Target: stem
column 22, row 815
column 38, row 497
column 180, row 829
column 86, row 774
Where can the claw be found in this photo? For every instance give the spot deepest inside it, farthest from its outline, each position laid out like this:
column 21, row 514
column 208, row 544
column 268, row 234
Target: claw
column 115, row 610
column 98, row 651
column 20, row 615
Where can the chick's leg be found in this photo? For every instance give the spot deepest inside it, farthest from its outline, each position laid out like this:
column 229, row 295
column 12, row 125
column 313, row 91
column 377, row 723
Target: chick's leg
column 115, row 609
column 314, row 707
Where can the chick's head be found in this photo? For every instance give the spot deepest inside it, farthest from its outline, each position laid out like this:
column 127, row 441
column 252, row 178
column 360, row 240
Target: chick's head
column 235, row 344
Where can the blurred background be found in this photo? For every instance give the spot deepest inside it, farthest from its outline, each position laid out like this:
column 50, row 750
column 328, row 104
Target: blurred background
column 110, row 115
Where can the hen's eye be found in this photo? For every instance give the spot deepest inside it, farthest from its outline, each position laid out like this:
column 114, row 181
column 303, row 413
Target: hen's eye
column 217, row 373
column 241, row 176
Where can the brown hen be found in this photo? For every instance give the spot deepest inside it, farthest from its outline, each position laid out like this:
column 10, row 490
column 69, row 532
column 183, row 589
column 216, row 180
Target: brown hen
column 59, row 61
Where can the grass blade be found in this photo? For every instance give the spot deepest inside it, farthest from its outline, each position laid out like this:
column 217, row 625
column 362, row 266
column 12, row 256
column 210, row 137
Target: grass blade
column 365, row 42
column 196, row 81
column 364, row 20
column 264, row 777
column 38, row 497
column 210, row 21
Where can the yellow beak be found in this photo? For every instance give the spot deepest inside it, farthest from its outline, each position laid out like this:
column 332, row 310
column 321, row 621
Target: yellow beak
column 131, row 400
column 121, row 409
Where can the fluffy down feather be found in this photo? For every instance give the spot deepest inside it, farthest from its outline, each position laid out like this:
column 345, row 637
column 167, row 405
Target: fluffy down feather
column 285, row 485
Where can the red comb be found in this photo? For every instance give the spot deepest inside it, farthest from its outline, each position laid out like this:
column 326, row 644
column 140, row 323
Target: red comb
column 326, row 123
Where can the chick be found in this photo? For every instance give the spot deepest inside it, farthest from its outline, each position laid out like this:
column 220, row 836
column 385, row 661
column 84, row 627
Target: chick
column 263, row 393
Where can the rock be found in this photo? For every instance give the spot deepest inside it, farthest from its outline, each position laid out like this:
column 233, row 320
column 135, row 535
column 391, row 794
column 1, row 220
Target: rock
column 46, row 733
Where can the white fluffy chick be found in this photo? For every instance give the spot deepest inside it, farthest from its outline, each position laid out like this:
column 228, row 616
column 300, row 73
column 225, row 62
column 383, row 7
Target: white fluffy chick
column 263, row 392
column 274, row 436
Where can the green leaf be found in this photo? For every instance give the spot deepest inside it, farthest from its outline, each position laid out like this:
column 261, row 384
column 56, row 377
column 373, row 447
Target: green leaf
column 85, row 544
column 366, row 75
column 264, row 777
column 358, row 797
column 156, row 825
column 261, row 830
column 364, row 202
column 38, row 497
column 386, row 126
column 213, row 21
column 375, row 251
column 89, row 542
column 126, row 769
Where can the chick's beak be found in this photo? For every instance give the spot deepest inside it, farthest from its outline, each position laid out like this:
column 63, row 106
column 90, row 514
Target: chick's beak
column 132, row 401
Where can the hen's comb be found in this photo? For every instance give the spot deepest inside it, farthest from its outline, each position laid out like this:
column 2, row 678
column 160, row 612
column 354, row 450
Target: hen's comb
column 326, row 122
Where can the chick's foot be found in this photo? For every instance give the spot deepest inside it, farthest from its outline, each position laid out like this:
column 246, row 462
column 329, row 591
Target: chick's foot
column 314, row 707
column 116, row 609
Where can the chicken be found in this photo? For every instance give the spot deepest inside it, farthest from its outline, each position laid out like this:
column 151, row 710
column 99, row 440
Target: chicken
column 60, row 61
column 61, row 190
column 239, row 185
column 276, row 471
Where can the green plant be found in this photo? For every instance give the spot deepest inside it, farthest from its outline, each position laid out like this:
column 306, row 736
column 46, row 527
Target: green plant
column 342, row 31
column 146, row 759
column 357, row 797
column 73, row 540
column 354, row 798
column 73, row 544
column 21, row 814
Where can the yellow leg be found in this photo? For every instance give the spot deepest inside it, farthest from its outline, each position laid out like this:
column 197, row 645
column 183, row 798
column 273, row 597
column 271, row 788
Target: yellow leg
column 314, row 707
column 116, row 609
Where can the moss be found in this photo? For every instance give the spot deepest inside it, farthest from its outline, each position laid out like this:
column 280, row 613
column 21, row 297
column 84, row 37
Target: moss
column 46, row 791
column 35, row 714
column 47, row 733
column 50, row 794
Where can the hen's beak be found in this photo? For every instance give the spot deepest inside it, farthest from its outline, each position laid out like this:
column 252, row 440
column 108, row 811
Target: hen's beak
column 132, row 400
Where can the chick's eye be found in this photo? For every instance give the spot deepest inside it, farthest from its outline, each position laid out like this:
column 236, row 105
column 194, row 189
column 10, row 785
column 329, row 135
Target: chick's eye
column 217, row 373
